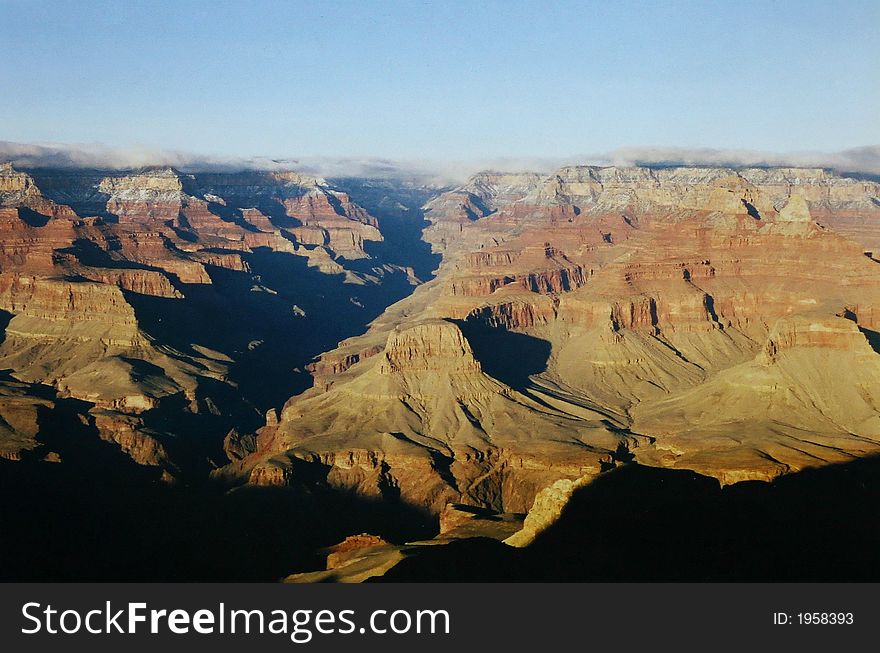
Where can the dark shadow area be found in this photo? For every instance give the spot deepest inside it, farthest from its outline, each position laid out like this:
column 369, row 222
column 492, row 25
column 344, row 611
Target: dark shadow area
column 398, row 206
column 31, row 218
column 90, row 254
column 752, row 211
column 709, row 304
column 231, row 215
column 4, row 322
column 186, row 233
column 872, row 337
column 639, row 523
column 272, row 321
column 473, row 560
column 484, row 211
column 98, row 516
column 505, row 355
column 78, row 189
column 861, row 176
column 241, row 197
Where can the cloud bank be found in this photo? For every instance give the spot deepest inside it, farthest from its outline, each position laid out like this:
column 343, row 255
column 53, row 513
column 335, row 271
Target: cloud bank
column 861, row 159
column 101, row 157
column 865, row 160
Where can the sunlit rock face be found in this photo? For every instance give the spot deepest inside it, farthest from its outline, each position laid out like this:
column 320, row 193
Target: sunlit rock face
column 266, row 328
column 143, row 294
column 715, row 319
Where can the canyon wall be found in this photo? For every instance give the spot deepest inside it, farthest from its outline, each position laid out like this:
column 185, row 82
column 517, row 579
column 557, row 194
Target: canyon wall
column 481, row 345
column 149, row 295
column 715, row 319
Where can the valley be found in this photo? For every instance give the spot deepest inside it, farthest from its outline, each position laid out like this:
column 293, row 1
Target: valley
column 243, row 368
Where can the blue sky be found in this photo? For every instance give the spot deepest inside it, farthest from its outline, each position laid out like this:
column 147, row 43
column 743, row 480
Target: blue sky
column 441, row 80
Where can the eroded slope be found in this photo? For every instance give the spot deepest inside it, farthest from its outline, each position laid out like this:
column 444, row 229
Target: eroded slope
column 705, row 318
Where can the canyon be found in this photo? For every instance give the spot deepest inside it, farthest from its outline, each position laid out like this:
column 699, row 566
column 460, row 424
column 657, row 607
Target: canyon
column 391, row 361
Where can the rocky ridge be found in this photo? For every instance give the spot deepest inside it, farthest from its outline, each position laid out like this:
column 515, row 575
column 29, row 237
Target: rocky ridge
column 710, row 319
column 93, row 265
column 682, row 317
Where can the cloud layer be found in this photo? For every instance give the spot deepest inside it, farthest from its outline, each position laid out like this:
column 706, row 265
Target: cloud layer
column 856, row 160
column 101, row 157
column 860, row 159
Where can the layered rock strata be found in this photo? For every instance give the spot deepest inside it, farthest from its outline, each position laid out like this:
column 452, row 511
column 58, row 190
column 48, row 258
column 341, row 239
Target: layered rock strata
column 712, row 319
column 94, row 266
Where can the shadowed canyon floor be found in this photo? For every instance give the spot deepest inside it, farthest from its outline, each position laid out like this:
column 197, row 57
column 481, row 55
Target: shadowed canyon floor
column 650, row 524
column 632, row 524
column 246, row 368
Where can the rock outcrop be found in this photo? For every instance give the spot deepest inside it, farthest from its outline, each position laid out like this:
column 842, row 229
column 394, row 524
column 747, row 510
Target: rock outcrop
column 681, row 317
column 104, row 279
column 711, row 319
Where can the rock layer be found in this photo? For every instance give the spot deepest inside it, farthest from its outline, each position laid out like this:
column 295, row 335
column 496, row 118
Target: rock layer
column 683, row 317
column 713, row 319
column 94, row 266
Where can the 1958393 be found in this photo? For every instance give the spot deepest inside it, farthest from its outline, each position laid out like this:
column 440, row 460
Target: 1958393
column 814, row 618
